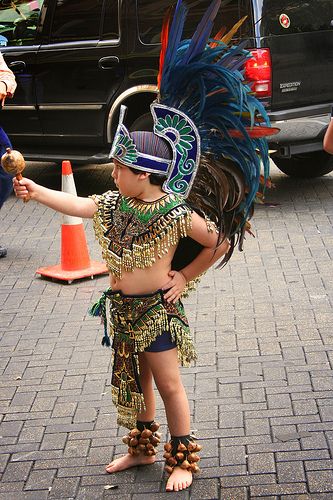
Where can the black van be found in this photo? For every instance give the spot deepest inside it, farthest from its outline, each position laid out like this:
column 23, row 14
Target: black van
column 77, row 61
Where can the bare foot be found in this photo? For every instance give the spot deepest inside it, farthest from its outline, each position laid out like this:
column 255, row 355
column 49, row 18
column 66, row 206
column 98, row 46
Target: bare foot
column 128, row 461
column 180, row 479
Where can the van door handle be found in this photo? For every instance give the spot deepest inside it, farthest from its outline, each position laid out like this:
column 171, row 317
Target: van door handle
column 17, row 66
column 108, row 62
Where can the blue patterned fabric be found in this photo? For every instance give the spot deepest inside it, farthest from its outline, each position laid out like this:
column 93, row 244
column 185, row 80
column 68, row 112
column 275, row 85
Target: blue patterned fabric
column 6, row 185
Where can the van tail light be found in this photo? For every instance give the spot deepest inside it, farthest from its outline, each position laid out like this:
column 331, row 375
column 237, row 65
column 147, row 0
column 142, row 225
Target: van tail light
column 258, row 70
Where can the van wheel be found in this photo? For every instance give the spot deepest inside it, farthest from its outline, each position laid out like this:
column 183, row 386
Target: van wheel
column 143, row 122
column 306, row 165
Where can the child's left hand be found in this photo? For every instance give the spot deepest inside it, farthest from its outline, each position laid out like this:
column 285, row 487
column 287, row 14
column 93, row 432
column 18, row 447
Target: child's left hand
column 174, row 287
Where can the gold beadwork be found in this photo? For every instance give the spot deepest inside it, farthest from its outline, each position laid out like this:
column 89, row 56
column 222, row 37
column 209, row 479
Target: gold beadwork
column 211, row 226
column 150, row 237
column 133, row 323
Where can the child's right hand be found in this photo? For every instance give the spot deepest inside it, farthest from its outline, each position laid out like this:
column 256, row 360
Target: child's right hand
column 25, row 188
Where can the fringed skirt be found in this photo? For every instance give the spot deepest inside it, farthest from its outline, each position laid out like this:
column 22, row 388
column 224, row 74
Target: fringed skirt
column 134, row 324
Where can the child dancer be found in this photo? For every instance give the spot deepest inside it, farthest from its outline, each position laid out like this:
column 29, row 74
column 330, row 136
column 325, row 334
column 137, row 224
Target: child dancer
column 185, row 193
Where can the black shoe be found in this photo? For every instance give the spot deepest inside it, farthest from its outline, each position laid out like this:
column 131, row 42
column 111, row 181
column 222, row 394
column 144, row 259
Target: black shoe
column 3, row 252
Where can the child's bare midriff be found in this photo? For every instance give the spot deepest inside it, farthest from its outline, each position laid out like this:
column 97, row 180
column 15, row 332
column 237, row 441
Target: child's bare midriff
column 143, row 281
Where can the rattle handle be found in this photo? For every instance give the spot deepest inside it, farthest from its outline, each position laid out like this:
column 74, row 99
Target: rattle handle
column 19, row 177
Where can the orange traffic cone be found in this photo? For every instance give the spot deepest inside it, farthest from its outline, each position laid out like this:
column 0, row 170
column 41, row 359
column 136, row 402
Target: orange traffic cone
column 75, row 260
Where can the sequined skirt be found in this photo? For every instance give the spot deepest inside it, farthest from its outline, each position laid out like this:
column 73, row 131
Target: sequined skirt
column 132, row 323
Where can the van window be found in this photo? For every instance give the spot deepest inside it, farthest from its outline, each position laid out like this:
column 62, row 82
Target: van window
column 110, row 23
column 150, row 18
column 295, row 16
column 76, row 20
column 19, row 21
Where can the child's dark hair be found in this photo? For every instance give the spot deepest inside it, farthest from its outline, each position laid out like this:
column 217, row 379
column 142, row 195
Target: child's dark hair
column 156, row 179
column 153, row 145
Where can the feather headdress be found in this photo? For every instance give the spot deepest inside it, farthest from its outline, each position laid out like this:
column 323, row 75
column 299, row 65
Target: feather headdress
column 212, row 121
column 202, row 77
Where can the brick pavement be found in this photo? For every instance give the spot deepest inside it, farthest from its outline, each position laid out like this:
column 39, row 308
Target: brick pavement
column 260, row 394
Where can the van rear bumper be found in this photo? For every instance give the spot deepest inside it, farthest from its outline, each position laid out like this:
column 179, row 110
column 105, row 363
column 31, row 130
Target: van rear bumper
column 301, row 129
column 307, row 124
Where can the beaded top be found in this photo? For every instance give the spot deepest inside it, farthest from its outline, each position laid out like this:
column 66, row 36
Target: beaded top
column 132, row 232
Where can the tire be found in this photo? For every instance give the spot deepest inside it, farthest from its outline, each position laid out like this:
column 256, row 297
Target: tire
column 306, row 165
column 143, row 122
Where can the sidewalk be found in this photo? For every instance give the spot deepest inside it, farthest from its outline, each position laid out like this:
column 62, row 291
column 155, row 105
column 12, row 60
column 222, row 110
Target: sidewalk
column 261, row 394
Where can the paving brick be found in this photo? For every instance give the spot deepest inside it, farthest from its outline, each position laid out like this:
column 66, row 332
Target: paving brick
column 40, row 480
column 302, row 455
column 21, row 398
column 254, row 395
column 248, row 480
column 258, row 426
column 205, row 489
column 314, row 441
column 298, row 378
column 290, row 472
column 81, row 471
column 180, row 495
column 326, row 413
column 53, row 377
column 77, row 448
column 8, row 488
column 261, row 463
column 31, row 434
column 53, row 441
column 16, row 471
column 11, row 428
column 231, row 419
column 4, row 458
column 277, row 489
column 64, row 488
column 318, row 465
column 74, row 382
column 205, row 413
column 43, row 404
column 227, row 470
column 234, row 493
column 322, row 383
column 305, row 407
column 320, row 481
column 126, row 477
column 233, row 455
column 274, row 373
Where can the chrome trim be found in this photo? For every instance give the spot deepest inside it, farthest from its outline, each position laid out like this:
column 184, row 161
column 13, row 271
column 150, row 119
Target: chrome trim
column 138, row 89
column 60, row 107
column 68, row 45
column 45, row 157
column 14, row 107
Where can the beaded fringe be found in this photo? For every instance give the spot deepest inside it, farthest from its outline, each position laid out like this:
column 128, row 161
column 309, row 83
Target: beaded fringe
column 163, row 235
column 150, row 326
column 154, row 319
column 126, row 416
column 185, row 348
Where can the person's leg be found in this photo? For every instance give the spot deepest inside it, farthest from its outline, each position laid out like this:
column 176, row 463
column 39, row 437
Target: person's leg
column 165, row 369
column 6, row 187
column 146, row 381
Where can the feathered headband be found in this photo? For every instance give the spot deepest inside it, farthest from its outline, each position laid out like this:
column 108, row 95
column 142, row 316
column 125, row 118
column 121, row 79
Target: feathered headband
column 182, row 135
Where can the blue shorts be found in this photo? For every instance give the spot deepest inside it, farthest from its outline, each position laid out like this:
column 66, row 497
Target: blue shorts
column 162, row 343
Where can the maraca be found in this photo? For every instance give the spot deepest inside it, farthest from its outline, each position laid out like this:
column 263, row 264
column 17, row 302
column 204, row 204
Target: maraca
column 13, row 163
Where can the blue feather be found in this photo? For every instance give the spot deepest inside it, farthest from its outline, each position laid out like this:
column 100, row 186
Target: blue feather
column 207, row 83
column 175, row 34
column 202, row 33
